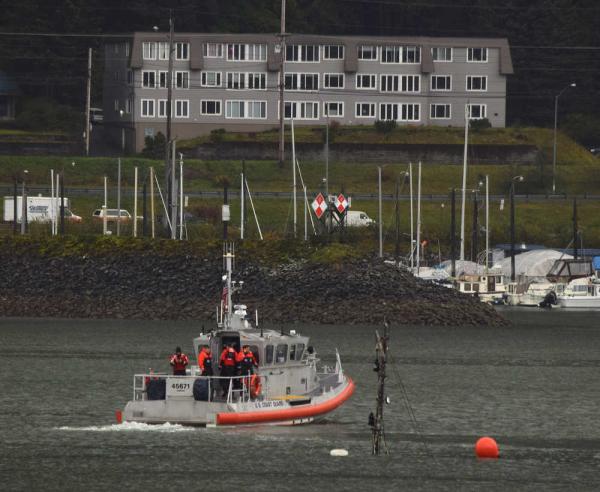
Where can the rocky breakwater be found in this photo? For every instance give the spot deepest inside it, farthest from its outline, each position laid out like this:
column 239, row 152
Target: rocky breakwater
column 152, row 284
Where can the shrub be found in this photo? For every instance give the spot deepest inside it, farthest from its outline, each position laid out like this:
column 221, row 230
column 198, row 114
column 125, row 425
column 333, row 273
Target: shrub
column 478, row 125
column 217, row 135
column 154, row 147
column 43, row 114
column 584, row 128
column 385, row 126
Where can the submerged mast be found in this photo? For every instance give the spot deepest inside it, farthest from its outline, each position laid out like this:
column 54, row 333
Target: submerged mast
column 376, row 421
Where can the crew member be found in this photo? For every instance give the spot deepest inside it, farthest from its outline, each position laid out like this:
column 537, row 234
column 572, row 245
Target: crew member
column 227, row 363
column 205, row 361
column 247, row 361
column 179, row 361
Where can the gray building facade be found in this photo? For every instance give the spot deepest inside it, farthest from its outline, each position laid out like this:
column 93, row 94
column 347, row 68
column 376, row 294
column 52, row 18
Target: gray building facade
column 231, row 81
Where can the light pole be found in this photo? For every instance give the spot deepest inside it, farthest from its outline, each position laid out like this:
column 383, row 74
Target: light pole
column 572, row 84
column 512, row 225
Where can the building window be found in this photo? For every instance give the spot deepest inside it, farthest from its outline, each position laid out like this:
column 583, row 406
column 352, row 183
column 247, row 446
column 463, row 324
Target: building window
column 411, row 83
column 213, row 50
column 476, row 111
column 366, row 81
column 182, row 51
column 333, row 109
column 441, row 54
column 162, row 108
column 333, row 52
column 410, row 112
column 116, row 75
column 401, row 54
column 126, row 49
column 182, row 80
column 236, row 80
column 390, row 83
column 365, row 110
column 163, row 78
column 477, row 55
column 182, row 108
column 301, row 110
column 399, row 112
column 149, row 79
column 147, row 108
column 210, row 79
column 246, row 52
column 210, row 108
column 163, row 51
column 257, row 80
column 333, row 81
column 302, row 53
column 477, row 83
column 439, row 111
column 246, row 109
column 367, row 52
column 128, row 105
column 149, row 51
column 302, row 81
column 441, row 82
column 130, row 77
column 117, row 105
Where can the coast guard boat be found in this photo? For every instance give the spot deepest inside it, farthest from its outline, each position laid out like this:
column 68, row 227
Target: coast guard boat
column 287, row 388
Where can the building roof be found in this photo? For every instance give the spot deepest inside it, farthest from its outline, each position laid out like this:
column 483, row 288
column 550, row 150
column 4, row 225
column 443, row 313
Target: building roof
column 8, row 86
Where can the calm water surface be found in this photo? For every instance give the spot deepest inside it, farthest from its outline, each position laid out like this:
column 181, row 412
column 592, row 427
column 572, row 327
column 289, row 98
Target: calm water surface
column 534, row 386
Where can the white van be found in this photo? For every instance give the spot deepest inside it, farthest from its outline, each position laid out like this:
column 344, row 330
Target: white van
column 358, row 218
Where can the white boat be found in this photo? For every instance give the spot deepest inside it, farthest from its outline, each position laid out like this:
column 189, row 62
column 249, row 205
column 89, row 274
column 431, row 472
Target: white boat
column 583, row 293
column 288, row 387
column 532, row 294
column 489, row 287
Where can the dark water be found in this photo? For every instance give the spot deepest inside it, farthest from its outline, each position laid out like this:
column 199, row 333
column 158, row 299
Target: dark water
column 533, row 386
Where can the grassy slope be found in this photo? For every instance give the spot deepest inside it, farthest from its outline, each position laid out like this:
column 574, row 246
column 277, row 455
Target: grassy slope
column 577, row 172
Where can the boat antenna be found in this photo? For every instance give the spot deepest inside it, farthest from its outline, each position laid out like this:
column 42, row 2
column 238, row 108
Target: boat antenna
column 376, row 420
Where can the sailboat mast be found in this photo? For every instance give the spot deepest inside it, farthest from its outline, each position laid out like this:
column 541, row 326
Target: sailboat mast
column 419, row 218
column 464, row 188
column 412, row 232
column 294, row 178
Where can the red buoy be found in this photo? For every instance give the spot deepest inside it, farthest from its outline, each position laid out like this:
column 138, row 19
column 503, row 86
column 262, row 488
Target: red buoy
column 486, row 447
column 119, row 416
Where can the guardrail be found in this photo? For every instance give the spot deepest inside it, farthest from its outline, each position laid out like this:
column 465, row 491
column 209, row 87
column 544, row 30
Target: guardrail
column 237, row 388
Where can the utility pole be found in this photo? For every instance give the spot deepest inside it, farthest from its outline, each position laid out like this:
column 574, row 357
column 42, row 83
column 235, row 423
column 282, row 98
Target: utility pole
column 168, row 170
column 88, row 98
column 282, row 86
column 397, row 252
column 376, row 421
column 119, row 196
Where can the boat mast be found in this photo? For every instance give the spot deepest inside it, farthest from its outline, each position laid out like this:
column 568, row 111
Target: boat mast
column 376, row 421
column 464, row 189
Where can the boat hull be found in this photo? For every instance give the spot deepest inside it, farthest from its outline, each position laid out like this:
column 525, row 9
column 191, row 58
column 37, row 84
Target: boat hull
column 583, row 302
column 276, row 411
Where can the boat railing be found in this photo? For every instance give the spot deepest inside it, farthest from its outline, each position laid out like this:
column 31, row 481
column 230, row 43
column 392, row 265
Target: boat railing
column 227, row 389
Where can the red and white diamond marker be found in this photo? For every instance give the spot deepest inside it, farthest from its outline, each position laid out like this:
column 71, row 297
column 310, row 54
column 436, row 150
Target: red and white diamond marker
column 319, row 205
column 341, row 203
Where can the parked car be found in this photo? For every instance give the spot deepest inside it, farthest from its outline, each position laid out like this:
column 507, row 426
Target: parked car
column 112, row 215
column 595, row 151
column 96, row 115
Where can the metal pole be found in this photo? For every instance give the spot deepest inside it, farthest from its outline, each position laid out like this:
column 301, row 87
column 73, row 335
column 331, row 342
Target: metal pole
column 88, row 103
column 144, row 210
column 225, row 203
column 397, row 222
column 419, row 218
column 464, row 188
column 305, row 216
column 173, row 193
column 15, row 192
column 152, row 228
column 62, row 203
column 119, row 196
column 487, row 223
column 52, row 208
column 180, row 197
column 23, row 208
column 512, row 231
column 104, row 217
column 56, row 207
column 575, row 235
column 474, row 232
column 412, row 220
column 135, row 193
column 380, row 214
column 168, row 170
column 242, row 198
column 327, row 158
column 295, row 205
column 554, row 145
column 282, row 85
column 453, row 233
